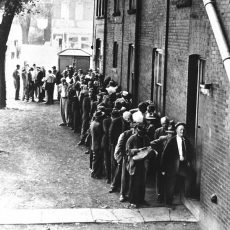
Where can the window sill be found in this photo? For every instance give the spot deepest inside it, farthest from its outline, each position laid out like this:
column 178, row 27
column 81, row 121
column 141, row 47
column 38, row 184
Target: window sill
column 116, row 14
column 131, row 11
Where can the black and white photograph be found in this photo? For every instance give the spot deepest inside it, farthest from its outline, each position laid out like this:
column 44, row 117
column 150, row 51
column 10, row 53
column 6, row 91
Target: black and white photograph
column 114, row 114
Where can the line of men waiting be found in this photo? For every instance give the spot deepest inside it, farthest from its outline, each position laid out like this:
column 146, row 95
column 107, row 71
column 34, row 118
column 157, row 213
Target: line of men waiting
column 37, row 83
column 125, row 143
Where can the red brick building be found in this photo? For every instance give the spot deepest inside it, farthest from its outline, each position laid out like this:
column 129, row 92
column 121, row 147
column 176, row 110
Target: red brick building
column 168, row 51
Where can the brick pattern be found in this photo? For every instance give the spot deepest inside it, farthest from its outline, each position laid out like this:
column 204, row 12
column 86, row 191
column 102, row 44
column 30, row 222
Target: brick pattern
column 189, row 33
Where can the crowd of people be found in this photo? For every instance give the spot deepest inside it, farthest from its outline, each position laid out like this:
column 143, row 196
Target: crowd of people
column 37, row 83
column 126, row 145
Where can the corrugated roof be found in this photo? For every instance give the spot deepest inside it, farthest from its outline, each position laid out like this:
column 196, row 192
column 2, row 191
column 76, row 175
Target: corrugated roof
column 73, row 52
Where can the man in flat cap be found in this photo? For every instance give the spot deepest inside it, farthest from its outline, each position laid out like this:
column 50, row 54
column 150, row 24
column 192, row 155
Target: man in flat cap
column 176, row 161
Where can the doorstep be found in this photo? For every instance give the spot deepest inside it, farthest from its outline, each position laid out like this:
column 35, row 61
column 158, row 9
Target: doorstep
column 193, row 206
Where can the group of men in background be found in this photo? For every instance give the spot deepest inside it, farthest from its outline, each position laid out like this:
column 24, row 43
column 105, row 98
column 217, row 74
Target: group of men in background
column 36, row 83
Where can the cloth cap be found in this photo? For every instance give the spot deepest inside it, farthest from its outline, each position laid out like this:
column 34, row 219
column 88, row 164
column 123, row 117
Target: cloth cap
column 127, row 116
column 138, row 117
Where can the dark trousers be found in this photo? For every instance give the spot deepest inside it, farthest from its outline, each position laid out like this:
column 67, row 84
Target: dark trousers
column 84, row 128
column 124, row 178
column 107, row 162
column 17, row 89
column 112, row 160
column 184, row 172
column 50, row 92
column 97, row 164
column 137, row 184
column 41, row 93
column 117, row 177
column 76, row 116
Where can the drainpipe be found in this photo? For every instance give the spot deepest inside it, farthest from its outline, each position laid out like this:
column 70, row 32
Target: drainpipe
column 219, row 34
column 93, row 34
column 122, row 41
column 137, row 50
column 166, row 53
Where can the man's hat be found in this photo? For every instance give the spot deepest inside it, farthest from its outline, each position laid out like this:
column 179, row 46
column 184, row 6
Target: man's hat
column 180, row 123
column 115, row 113
column 54, row 67
column 99, row 114
column 141, row 127
column 170, row 129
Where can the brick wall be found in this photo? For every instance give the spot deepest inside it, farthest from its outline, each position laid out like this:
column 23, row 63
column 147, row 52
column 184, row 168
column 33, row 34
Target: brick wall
column 114, row 34
column 189, row 33
column 151, row 31
column 215, row 140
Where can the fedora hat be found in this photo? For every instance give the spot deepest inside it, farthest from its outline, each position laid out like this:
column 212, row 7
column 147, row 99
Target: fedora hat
column 170, row 129
column 180, row 123
column 150, row 116
column 99, row 114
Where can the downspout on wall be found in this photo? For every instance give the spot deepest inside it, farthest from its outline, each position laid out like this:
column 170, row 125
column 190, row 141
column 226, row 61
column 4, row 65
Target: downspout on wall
column 166, row 52
column 93, row 41
column 218, row 34
column 122, row 40
column 137, row 55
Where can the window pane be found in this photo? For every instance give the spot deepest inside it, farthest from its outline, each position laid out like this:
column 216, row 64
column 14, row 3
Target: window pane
column 158, row 80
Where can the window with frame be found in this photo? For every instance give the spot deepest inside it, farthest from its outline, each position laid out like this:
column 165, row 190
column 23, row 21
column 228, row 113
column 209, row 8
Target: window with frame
column 115, row 54
column 116, row 8
column 100, row 8
column 132, row 6
column 158, row 78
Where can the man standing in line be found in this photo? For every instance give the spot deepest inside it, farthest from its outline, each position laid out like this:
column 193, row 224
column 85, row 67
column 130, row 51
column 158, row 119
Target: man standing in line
column 176, row 161
column 16, row 76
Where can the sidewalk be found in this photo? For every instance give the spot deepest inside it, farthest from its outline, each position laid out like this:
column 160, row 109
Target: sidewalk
column 94, row 215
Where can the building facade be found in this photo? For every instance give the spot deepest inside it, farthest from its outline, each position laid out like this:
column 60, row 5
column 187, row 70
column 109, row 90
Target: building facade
column 72, row 24
column 167, row 51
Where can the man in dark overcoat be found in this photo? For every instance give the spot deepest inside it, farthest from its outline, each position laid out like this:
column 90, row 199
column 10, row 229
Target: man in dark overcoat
column 16, row 76
column 176, row 161
column 137, row 171
column 96, row 131
column 86, row 106
column 115, row 130
column 106, row 148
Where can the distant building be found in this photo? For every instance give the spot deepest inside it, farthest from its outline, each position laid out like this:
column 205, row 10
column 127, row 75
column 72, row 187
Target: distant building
column 167, row 51
column 72, row 24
